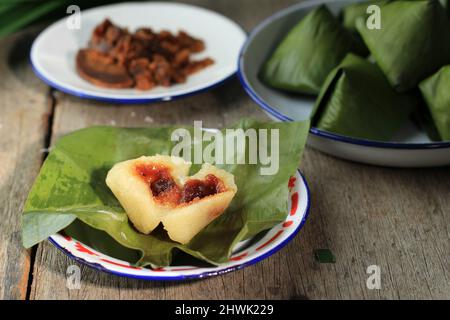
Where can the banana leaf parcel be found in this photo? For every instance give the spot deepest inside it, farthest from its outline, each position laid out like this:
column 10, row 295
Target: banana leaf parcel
column 357, row 101
column 70, row 194
column 436, row 92
column 423, row 119
column 352, row 12
column 412, row 43
column 308, row 53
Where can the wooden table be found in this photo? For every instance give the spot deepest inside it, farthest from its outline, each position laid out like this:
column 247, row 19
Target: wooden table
column 398, row 219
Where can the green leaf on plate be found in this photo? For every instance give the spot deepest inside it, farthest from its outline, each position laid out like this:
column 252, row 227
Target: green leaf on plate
column 308, row 53
column 100, row 241
column 436, row 92
column 71, row 185
column 412, row 43
column 357, row 101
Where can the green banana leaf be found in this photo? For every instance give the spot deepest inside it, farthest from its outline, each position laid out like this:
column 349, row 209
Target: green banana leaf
column 71, row 185
column 446, row 5
column 100, row 241
column 308, row 53
column 15, row 15
column 357, row 101
column 351, row 13
column 423, row 120
column 413, row 42
column 436, row 92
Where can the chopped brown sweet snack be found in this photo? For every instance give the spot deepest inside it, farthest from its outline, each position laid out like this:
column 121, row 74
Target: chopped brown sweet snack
column 181, row 58
column 105, row 36
column 188, row 42
column 100, row 69
column 144, row 59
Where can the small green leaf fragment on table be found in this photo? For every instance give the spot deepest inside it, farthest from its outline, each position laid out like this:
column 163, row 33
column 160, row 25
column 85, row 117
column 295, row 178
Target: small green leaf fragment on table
column 324, row 256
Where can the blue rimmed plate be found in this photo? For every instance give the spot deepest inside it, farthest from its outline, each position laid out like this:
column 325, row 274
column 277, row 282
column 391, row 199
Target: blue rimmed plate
column 53, row 51
column 410, row 148
column 245, row 253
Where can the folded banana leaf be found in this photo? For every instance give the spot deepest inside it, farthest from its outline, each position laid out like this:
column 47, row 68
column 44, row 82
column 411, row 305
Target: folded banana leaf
column 412, row 43
column 351, row 13
column 308, row 53
column 357, row 101
column 423, row 119
column 71, row 186
column 436, row 92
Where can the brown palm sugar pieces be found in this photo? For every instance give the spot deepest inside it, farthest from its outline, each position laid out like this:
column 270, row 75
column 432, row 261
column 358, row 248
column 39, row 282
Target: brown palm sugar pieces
column 116, row 58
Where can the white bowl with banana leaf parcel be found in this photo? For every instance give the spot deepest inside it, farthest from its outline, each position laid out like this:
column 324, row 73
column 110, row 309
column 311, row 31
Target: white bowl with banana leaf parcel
column 410, row 147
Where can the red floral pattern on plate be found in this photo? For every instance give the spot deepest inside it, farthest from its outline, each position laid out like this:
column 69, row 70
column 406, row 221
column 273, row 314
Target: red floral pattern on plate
column 294, row 203
column 291, row 182
column 287, row 223
column 239, row 257
column 82, row 248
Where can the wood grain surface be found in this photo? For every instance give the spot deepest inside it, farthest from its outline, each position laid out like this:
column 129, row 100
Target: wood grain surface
column 398, row 219
column 24, row 112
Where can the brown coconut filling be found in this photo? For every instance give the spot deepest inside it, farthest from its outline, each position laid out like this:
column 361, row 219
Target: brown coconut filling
column 165, row 189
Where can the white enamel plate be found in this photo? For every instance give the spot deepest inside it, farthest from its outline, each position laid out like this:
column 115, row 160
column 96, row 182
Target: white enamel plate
column 53, row 52
column 244, row 254
column 410, row 148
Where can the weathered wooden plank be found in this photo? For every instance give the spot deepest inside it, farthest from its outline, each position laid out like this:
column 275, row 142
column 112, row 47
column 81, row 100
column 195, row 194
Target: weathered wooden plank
column 396, row 219
column 24, row 113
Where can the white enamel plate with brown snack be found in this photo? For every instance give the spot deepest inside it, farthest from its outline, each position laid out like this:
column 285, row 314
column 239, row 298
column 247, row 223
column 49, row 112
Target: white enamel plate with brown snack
column 138, row 52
